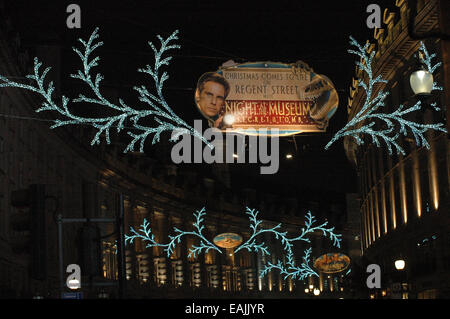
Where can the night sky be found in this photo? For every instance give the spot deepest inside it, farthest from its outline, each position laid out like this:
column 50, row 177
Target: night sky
column 212, row 32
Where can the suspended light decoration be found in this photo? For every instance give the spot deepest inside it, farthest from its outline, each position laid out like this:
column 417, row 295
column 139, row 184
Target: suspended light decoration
column 287, row 266
column 155, row 105
column 390, row 125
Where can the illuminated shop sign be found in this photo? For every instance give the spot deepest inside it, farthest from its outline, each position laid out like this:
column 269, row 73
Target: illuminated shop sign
column 332, row 263
column 228, row 240
column 250, row 96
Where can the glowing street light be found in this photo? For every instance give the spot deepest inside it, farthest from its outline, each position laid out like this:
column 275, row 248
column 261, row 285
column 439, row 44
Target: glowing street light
column 316, row 291
column 421, row 82
column 73, row 284
column 399, row 264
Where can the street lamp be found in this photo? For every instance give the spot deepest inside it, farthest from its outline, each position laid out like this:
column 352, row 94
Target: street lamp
column 421, row 82
column 316, row 291
column 74, row 284
column 399, row 264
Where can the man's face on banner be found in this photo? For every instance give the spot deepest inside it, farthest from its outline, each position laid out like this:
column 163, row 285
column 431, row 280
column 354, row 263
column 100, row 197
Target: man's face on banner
column 211, row 98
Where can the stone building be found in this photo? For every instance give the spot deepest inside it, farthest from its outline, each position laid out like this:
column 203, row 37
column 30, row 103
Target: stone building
column 405, row 198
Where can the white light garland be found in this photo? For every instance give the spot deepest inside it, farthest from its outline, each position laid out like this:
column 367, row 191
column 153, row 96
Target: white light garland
column 364, row 121
column 162, row 114
column 287, row 268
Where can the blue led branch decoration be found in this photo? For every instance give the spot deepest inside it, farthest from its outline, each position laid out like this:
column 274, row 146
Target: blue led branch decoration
column 300, row 273
column 364, row 121
column 287, row 269
column 426, row 58
column 290, row 269
column 145, row 233
column 157, row 107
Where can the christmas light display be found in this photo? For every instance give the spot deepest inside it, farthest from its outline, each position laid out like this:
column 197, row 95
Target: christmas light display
column 287, row 268
column 392, row 124
column 157, row 107
column 426, row 58
column 146, row 235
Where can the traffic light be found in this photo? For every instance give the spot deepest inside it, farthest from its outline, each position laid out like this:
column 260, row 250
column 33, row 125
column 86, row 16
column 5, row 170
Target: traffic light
column 29, row 219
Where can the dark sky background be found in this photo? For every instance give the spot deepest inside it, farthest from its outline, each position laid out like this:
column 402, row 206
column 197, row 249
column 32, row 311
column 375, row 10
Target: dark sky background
column 212, row 32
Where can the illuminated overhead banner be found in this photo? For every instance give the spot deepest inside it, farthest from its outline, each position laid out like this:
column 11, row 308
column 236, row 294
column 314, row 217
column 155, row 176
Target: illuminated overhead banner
column 332, row 263
column 228, row 240
column 253, row 96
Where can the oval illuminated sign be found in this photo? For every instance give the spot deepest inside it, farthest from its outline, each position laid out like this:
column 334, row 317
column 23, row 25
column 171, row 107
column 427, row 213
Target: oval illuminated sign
column 248, row 97
column 228, row 240
column 332, row 263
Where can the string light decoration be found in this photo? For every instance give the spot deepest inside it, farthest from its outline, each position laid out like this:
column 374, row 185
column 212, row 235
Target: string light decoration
column 156, row 105
column 426, row 58
column 145, row 233
column 394, row 124
column 287, row 269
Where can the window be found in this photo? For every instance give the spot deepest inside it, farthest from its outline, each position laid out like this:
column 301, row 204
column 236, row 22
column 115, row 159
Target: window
column 428, row 294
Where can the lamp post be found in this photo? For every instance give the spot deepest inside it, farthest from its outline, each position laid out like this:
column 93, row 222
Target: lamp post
column 74, row 284
column 421, row 81
column 400, row 266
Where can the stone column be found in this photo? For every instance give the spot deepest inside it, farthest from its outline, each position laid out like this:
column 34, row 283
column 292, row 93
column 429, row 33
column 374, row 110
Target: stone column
column 220, row 260
column 130, row 256
column 179, row 267
column 168, row 230
column 321, row 282
column 383, row 207
column 149, row 251
column 160, row 230
column 184, row 258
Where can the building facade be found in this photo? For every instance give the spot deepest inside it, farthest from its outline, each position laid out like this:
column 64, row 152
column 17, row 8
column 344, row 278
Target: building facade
column 405, row 199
